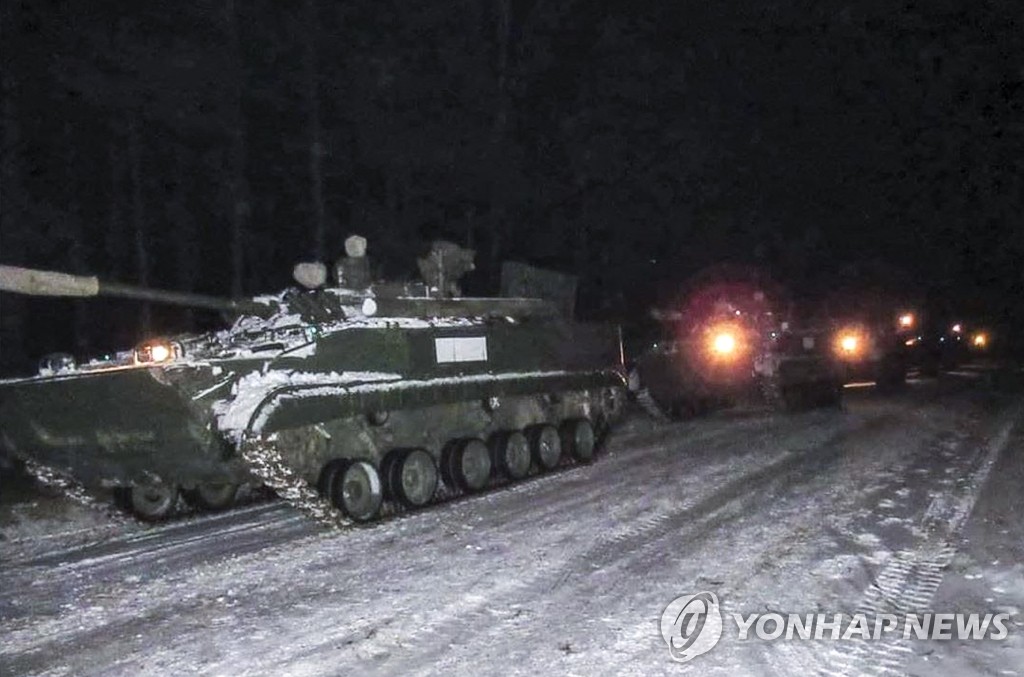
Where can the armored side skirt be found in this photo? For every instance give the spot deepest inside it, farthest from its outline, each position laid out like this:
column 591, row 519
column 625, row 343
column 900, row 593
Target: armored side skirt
column 113, row 428
column 132, row 425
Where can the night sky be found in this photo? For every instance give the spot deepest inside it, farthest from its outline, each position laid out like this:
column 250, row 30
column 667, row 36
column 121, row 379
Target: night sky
column 208, row 146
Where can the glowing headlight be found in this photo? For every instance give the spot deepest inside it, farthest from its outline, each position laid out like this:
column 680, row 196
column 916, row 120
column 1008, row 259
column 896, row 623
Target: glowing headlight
column 956, row 328
column 724, row 343
column 850, row 343
column 157, row 351
column 906, row 320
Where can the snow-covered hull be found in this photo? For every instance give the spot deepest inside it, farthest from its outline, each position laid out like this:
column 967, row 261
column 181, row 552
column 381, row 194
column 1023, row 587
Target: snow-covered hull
column 117, row 427
column 343, row 393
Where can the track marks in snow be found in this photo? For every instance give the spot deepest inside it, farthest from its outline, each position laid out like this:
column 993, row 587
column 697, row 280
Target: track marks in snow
column 567, row 572
column 908, row 581
column 647, row 543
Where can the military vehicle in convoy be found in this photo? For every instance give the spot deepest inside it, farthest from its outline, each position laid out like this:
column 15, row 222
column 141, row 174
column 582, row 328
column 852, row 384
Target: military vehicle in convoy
column 946, row 342
column 342, row 399
column 725, row 342
column 876, row 346
column 878, row 323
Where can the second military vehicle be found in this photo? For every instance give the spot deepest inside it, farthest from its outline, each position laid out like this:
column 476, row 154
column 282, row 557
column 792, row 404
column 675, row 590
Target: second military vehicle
column 726, row 342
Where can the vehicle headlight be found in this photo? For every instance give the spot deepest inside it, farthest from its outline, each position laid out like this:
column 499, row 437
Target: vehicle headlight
column 724, row 343
column 850, row 343
column 157, row 351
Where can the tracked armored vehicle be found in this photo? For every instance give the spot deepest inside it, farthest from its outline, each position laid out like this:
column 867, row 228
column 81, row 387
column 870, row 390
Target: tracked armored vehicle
column 728, row 361
column 878, row 324
column 343, row 400
column 876, row 350
column 725, row 344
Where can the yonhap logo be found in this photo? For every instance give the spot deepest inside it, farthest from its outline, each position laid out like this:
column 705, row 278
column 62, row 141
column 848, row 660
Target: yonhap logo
column 691, row 625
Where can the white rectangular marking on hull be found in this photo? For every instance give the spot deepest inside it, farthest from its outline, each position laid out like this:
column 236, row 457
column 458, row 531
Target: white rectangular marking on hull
column 461, row 349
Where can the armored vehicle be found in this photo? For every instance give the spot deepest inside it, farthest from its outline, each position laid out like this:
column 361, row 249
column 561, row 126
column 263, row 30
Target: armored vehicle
column 343, row 400
column 876, row 346
column 878, row 323
column 726, row 344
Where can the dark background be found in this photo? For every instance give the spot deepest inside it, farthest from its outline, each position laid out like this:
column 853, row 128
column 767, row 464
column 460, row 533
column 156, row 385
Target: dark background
column 209, row 146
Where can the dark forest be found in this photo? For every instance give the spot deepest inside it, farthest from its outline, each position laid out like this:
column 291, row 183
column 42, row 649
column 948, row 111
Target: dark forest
column 210, row 145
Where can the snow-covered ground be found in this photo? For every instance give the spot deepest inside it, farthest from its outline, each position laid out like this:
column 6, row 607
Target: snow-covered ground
column 897, row 503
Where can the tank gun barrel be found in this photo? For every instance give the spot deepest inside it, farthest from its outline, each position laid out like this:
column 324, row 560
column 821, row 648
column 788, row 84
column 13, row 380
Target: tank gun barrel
column 48, row 283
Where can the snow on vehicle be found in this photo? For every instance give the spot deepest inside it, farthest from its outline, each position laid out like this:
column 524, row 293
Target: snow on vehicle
column 340, row 399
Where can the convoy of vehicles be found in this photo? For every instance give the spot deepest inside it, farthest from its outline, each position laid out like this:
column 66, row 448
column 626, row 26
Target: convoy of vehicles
column 369, row 397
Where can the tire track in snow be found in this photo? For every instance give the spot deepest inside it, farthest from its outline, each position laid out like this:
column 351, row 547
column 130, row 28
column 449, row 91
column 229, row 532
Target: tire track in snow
column 639, row 551
column 908, row 582
column 425, row 626
column 151, row 604
column 526, row 506
column 631, row 543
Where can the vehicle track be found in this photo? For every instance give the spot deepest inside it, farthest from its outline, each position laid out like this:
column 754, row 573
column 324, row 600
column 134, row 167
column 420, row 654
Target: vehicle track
column 908, row 582
column 632, row 552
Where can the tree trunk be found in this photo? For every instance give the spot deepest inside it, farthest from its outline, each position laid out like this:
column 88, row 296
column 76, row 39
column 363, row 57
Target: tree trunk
column 141, row 237
column 10, row 171
column 498, row 134
column 316, row 146
column 186, row 237
column 392, row 203
column 469, row 214
column 72, row 230
column 12, row 308
column 238, row 187
column 114, row 236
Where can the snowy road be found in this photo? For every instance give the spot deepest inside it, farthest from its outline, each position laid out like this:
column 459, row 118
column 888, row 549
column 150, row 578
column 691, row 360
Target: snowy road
column 909, row 498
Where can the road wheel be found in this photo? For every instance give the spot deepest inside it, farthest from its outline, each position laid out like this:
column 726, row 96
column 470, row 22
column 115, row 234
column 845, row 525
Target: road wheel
column 546, row 446
column 579, row 439
column 211, row 495
column 469, row 464
column 511, row 454
column 356, row 490
column 328, row 475
column 412, row 478
column 152, row 502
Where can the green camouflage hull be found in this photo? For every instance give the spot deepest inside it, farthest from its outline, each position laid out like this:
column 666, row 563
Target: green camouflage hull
column 327, row 391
